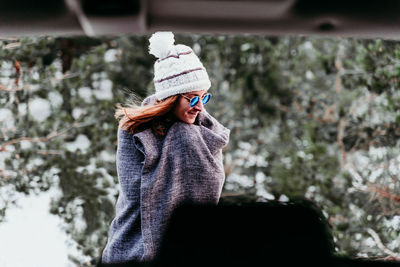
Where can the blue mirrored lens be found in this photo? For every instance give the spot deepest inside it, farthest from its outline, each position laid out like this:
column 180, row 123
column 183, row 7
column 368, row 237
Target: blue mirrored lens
column 206, row 98
column 194, row 101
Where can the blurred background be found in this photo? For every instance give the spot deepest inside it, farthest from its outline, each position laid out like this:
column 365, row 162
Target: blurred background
column 310, row 117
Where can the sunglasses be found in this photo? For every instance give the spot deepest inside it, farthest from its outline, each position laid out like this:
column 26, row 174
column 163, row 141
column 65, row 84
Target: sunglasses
column 194, row 100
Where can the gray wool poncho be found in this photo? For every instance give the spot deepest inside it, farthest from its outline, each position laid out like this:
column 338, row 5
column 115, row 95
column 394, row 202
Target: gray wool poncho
column 156, row 174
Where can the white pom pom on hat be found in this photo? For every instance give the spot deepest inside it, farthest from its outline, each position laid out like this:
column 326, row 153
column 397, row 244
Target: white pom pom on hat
column 161, row 44
column 178, row 70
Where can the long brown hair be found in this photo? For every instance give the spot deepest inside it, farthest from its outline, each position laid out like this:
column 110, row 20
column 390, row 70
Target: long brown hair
column 156, row 116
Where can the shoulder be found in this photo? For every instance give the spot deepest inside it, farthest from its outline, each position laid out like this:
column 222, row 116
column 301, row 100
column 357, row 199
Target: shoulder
column 124, row 134
column 127, row 139
column 129, row 145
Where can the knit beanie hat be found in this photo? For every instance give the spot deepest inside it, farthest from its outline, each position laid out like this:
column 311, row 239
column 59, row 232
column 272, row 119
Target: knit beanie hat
column 177, row 70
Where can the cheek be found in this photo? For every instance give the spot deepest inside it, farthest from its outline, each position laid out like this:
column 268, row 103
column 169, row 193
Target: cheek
column 181, row 112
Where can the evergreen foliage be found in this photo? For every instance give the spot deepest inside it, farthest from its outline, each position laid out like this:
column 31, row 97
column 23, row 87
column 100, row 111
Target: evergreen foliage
column 310, row 117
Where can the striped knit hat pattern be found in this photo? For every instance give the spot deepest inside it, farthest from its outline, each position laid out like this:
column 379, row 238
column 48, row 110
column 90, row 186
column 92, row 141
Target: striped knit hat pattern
column 177, row 70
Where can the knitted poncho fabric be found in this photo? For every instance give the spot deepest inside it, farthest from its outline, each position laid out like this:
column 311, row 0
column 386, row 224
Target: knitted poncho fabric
column 156, row 174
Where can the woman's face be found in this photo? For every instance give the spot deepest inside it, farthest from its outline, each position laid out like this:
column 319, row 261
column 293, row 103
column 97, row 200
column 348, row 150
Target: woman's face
column 184, row 112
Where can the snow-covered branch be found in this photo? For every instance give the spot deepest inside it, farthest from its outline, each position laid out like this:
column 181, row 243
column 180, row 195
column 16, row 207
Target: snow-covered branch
column 42, row 139
column 381, row 246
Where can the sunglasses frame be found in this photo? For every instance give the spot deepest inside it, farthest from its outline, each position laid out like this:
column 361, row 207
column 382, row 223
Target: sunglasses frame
column 191, row 99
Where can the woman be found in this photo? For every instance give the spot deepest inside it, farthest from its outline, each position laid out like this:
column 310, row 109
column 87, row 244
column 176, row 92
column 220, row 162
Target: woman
column 169, row 152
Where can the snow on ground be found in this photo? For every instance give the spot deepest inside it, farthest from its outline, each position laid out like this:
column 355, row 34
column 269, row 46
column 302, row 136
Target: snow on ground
column 31, row 236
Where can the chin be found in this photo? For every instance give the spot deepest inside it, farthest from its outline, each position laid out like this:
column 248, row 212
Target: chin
column 189, row 121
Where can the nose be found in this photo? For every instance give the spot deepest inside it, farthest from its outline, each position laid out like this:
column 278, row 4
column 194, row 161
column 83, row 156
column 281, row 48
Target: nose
column 199, row 106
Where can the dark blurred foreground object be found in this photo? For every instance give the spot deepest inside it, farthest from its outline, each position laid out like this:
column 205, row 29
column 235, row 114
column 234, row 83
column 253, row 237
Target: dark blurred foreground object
column 250, row 234
column 349, row 18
